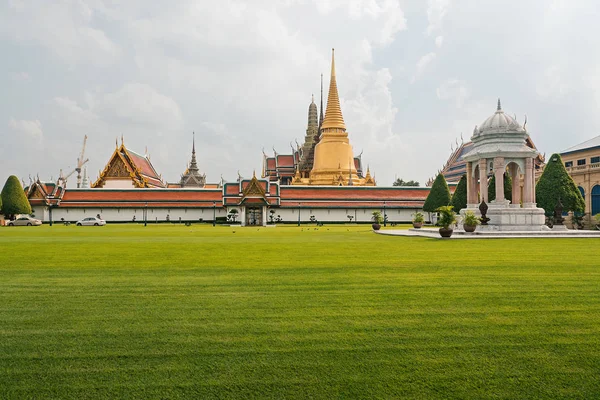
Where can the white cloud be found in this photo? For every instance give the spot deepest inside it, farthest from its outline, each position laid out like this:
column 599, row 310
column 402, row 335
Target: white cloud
column 139, row 103
column 64, row 28
column 551, row 84
column 436, row 11
column 422, row 64
column 30, row 128
column 21, row 77
column 439, row 41
column 455, row 90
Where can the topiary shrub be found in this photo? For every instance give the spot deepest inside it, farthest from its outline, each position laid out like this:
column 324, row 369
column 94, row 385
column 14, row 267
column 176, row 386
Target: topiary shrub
column 556, row 183
column 507, row 188
column 459, row 198
column 439, row 195
column 14, row 200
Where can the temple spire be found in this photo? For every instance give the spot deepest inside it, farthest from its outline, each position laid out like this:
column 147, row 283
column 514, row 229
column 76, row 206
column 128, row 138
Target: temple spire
column 193, row 167
column 321, row 108
column 333, row 114
column 499, row 105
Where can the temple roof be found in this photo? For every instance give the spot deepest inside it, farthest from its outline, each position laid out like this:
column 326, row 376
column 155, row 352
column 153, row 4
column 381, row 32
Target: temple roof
column 127, row 164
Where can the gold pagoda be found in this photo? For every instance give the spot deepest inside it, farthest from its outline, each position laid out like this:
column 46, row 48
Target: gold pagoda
column 333, row 156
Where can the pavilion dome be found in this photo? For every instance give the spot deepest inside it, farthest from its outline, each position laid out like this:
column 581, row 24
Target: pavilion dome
column 499, row 122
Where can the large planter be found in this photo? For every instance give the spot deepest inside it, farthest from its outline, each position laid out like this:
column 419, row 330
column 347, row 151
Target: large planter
column 446, row 232
column 417, row 225
column 376, row 227
column 470, row 228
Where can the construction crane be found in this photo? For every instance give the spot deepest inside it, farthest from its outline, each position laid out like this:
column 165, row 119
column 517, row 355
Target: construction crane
column 62, row 179
column 80, row 162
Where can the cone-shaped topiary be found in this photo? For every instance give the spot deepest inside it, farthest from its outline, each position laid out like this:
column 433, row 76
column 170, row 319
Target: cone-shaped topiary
column 459, row 198
column 507, row 188
column 556, row 183
column 14, row 200
column 439, row 195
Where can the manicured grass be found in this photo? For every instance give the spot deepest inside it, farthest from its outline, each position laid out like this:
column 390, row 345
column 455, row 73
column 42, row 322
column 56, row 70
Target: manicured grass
column 169, row 311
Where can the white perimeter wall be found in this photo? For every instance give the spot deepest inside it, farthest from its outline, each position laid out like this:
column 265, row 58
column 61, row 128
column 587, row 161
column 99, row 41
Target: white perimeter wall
column 340, row 215
column 194, row 214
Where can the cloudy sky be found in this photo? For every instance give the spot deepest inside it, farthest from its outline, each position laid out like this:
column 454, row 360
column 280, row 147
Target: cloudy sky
column 413, row 76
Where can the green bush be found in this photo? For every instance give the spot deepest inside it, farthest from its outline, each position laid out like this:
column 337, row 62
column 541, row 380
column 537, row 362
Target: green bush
column 14, row 200
column 556, row 183
column 459, row 198
column 377, row 218
column 447, row 216
column 439, row 195
column 507, row 188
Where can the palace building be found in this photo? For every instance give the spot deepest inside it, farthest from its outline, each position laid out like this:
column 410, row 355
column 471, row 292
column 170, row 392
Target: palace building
column 582, row 162
column 320, row 181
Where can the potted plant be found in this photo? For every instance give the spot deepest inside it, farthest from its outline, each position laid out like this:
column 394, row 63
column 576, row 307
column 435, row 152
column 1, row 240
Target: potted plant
column 377, row 220
column 418, row 220
column 446, row 219
column 470, row 221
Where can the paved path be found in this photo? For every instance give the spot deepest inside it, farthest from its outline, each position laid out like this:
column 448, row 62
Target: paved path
column 460, row 234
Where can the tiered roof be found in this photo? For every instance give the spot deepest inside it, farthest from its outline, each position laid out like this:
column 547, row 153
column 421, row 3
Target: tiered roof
column 127, row 164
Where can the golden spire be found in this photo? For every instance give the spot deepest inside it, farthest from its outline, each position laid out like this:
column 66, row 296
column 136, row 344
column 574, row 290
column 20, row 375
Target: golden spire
column 333, row 114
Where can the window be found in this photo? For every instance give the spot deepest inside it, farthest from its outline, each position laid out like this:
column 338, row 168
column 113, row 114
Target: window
column 581, row 162
column 569, row 164
column 595, row 160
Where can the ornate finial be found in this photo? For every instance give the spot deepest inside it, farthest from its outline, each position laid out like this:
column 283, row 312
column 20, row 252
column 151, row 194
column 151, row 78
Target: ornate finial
column 254, row 173
column 117, row 142
column 193, row 142
column 461, row 138
column 122, row 140
column 333, row 115
column 499, row 105
column 525, row 124
column 313, row 98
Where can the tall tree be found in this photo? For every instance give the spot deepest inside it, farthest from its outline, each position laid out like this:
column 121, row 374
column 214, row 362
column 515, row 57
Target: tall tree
column 13, row 197
column 439, row 195
column 402, row 182
column 507, row 188
column 556, row 183
column 459, row 198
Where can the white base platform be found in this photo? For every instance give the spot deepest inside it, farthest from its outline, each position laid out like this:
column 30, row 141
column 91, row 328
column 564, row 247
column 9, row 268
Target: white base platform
column 513, row 219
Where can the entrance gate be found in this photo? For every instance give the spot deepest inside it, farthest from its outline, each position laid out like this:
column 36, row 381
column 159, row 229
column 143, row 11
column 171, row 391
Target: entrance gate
column 254, row 216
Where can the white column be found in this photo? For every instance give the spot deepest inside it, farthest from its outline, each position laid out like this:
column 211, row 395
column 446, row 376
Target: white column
column 527, row 189
column 469, row 184
column 516, row 185
column 483, row 180
column 499, row 174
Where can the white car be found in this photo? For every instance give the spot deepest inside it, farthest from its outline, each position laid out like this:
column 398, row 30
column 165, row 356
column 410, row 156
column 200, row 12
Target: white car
column 24, row 221
column 91, row 221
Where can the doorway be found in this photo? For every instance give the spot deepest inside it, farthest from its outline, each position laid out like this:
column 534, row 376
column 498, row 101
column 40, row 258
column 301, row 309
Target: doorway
column 254, row 216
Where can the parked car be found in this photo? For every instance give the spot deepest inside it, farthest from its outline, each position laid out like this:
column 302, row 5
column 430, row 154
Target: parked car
column 24, row 221
column 91, row 221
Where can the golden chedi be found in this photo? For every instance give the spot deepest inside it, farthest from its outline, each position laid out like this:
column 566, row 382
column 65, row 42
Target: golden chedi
column 333, row 158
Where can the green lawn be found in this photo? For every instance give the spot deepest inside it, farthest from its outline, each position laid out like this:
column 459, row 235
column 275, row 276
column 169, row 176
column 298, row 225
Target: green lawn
column 124, row 311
